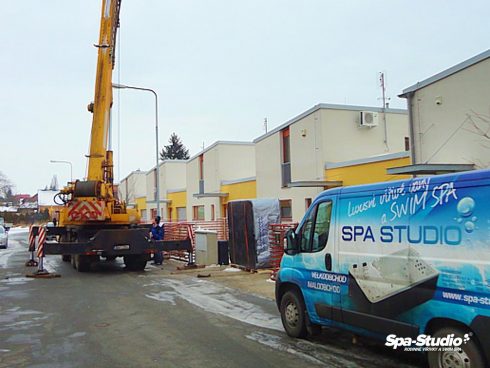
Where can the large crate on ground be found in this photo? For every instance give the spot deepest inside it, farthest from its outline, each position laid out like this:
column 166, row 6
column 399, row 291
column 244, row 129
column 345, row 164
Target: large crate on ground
column 248, row 224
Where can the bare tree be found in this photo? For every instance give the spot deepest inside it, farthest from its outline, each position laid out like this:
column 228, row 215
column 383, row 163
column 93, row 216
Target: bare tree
column 5, row 186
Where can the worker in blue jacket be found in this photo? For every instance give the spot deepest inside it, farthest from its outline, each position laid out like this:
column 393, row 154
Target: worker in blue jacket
column 157, row 233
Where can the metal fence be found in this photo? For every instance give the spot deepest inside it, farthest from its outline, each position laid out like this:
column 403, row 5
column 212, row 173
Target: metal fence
column 277, row 232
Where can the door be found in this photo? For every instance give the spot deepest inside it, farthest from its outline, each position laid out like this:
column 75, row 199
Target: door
column 318, row 262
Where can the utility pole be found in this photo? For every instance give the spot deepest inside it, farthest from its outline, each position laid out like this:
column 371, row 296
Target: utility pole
column 384, row 107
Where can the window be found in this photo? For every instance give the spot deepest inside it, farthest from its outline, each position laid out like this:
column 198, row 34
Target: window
column 306, row 232
column 153, row 213
column 314, row 238
column 201, row 167
column 201, row 174
column 181, row 215
column 198, row 212
column 169, row 210
column 285, row 146
column 307, row 203
column 225, row 210
column 322, row 226
column 212, row 212
column 286, row 210
column 407, row 144
column 285, row 158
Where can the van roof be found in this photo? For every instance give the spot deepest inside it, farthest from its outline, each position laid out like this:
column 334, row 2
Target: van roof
column 466, row 176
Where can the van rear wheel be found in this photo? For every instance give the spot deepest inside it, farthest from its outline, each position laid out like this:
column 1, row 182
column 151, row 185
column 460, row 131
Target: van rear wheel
column 293, row 314
column 469, row 355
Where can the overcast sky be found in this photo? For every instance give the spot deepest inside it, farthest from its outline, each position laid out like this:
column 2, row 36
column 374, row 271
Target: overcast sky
column 219, row 67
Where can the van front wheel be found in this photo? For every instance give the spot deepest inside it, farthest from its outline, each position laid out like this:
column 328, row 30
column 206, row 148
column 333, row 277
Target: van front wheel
column 468, row 356
column 293, row 314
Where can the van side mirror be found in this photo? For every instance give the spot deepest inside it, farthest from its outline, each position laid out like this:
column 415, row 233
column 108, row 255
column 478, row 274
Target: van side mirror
column 292, row 246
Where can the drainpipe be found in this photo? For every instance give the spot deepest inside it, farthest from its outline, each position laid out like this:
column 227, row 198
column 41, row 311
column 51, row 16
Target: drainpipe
column 411, row 127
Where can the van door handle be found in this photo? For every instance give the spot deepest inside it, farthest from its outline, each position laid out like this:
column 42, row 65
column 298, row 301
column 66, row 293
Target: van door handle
column 328, row 261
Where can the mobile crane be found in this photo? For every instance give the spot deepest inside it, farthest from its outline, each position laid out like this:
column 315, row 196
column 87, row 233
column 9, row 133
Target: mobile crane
column 93, row 222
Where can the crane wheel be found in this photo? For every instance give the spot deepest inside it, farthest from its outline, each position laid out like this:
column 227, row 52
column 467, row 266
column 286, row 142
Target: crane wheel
column 135, row 262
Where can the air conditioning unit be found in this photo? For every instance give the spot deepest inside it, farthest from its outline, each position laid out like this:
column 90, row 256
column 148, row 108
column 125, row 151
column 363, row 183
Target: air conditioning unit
column 369, row 119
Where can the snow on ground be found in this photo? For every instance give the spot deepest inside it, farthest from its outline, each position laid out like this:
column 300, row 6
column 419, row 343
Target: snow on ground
column 16, row 280
column 14, row 247
column 232, row 269
column 17, row 230
column 275, row 342
column 216, row 299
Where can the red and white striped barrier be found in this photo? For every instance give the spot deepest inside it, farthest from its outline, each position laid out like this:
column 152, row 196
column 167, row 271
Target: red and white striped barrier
column 40, row 249
column 32, row 240
column 32, row 248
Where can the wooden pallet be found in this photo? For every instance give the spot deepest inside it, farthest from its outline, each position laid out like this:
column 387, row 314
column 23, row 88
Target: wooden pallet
column 243, row 268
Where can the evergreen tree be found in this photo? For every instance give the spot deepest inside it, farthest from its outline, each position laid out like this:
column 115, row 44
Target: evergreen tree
column 175, row 150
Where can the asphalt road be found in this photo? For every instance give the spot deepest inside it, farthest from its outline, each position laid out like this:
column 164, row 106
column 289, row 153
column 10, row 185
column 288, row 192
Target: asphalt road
column 114, row 318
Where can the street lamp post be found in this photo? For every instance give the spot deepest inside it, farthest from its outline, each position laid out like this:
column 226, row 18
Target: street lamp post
column 122, row 86
column 64, row 162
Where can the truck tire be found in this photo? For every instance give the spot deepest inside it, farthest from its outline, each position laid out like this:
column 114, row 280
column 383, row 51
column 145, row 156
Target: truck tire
column 82, row 263
column 293, row 314
column 66, row 257
column 135, row 262
column 469, row 356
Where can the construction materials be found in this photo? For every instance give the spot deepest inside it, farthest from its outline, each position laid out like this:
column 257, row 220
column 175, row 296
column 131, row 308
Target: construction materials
column 248, row 223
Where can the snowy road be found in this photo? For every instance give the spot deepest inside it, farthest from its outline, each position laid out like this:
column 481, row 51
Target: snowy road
column 113, row 318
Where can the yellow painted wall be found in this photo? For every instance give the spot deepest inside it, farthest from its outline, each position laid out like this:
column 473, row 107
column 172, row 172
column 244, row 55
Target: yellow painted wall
column 244, row 190
column 140, row 203
column 371, row 172
column 178, row 199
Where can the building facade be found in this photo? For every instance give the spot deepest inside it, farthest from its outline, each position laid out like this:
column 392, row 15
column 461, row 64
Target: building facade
column 291, row 159
column 450, row 115
column 172, row 179
column 222, row 171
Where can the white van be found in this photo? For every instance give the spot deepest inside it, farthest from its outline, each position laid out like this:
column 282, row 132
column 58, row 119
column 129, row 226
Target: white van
column 407, row 262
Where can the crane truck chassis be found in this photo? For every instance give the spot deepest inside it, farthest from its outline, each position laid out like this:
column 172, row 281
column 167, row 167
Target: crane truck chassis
column 85, row 245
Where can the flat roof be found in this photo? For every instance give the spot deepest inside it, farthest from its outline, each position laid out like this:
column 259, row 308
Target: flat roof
column 227, row 143
column 429, row 169
column 237, row 181
column 327, row 106
column 210, row 195
column 367, row 160
column 132, row 173
column 446, row 73
column 315, row 184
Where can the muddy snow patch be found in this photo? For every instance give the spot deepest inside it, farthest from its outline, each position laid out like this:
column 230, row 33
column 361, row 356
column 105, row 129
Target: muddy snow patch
column 19, row 280
column 218, row 299
column 232, row 269
column 164, row 296
column 77, row 334
column 275, row 342
column 18, row 319
column 14, row 248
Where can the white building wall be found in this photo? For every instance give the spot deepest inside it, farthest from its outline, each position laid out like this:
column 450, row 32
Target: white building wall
column 222, row 161
column 325, row 135
column 345, row 140
column 451, row 116
column 133, row 186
